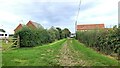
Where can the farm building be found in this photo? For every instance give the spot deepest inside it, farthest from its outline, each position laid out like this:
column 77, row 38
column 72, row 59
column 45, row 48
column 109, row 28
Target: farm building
column 72, row 35
column 85, row 27
column 3, row 34
column 29, row 24
column 18, row 27
column 34, row 24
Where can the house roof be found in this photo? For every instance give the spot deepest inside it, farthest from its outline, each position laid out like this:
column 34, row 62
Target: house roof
column 19, row 27
column 37, row 25
column 89, row 26
column 2, row 30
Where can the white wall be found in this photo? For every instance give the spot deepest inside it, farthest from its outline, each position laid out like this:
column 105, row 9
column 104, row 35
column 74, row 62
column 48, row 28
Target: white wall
column 3, row 35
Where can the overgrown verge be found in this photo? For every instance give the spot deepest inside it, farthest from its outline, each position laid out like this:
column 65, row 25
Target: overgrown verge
column 104, row 40
column 90, row 57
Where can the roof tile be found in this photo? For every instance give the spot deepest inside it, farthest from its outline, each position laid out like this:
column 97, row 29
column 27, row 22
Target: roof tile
column 89, row 26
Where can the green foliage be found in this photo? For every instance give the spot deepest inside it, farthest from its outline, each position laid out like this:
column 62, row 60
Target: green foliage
column 54, row 34
column 106, row 41
column 59, row 32
column 66, row 33
column 30, row 37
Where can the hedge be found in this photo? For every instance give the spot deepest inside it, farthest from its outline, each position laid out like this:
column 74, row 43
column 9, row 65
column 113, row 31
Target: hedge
column 103, row 40
column 30, row 37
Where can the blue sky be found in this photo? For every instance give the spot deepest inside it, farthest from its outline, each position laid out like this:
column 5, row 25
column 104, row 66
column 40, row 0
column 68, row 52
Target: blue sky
column 58, row 13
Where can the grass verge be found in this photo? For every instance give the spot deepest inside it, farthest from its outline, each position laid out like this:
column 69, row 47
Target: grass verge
column 91, row 56
column 37, row 56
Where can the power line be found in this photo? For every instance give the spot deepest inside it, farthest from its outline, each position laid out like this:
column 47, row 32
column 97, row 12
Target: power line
column 78, row 10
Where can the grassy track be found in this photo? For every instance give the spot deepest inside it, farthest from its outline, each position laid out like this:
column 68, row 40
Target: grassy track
column 74, row 53
column 61, row 53
column 38, row 56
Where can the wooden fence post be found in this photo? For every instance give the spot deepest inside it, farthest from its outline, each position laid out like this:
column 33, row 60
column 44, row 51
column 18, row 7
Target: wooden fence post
column 18, row 41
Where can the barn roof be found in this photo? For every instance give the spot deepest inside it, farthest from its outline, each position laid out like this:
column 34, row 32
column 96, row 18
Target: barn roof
column 89, row 26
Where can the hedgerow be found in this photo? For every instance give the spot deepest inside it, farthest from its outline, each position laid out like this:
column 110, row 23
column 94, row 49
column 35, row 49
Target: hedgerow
column 30, row 37
column 103, row 40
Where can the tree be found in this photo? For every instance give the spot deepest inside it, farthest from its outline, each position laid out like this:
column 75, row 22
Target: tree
column 60, row 32
column 54, row 34
column 66, row 33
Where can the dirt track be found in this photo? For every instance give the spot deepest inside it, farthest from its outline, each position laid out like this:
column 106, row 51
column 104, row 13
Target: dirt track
column 67, row 56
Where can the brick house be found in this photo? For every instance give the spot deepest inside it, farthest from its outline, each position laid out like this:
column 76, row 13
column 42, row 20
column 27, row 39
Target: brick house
column 18, row 27
column 34, row 24
column 85, row 27
column 29, row 24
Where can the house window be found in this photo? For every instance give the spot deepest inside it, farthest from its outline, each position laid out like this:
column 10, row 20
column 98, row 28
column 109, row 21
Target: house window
column 5, row 34
column 1, row 34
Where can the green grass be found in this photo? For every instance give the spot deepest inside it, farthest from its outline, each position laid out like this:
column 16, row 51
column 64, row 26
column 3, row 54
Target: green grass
column 37, row 56
column 49, row 55
column 0, row 53
column 92, row 57
column 6, row 46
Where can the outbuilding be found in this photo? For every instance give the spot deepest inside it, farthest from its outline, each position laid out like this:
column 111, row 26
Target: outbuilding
column 3, row 34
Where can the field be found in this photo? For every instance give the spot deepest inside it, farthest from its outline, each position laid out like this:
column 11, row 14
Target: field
column 65, row 52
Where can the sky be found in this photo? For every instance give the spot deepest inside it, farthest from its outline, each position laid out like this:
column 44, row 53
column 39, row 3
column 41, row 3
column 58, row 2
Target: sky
column 57, row 13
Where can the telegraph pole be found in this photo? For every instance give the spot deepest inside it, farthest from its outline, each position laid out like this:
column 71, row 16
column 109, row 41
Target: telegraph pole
column 119, row 14
column 77, row 16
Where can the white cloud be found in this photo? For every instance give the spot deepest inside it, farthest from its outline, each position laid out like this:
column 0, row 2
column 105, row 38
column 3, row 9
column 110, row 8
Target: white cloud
column 57, row 0
column 105, row 12
column 4, row 15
